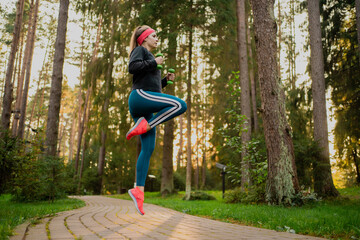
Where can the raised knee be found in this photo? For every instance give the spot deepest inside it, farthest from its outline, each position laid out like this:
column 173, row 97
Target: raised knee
column 183, row 106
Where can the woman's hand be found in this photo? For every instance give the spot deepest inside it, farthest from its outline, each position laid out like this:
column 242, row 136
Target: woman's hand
column 170, row 76
column 159, row 60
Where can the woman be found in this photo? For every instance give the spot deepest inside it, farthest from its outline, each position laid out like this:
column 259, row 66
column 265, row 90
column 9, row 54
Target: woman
column 145, row 100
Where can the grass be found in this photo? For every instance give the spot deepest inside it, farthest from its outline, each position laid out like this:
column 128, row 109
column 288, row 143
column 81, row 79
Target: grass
column 352, row 193
column 14, row 213
column 339, row 219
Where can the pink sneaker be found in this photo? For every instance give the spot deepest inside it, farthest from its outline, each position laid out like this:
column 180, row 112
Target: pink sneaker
column 138, row 197
column 139, row 128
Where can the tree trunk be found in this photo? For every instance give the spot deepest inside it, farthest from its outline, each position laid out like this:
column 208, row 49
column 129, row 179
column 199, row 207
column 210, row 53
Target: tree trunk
column 19, row 83
column 196, row 174
column 245, row 92
column 181, row 143
column 84, row 147
column 46, row 78
column 203, row 165
column 80, row 127
column 28, row 73
column 37, row 94
column 323, row 182
column 105, row 112
column 167, row 180
column 72, row 137
column 88, row 93
column 52, row 127
column 356, row 165
column 180, row 157
column 61, row 134
column 253, row 83
column 7, row 99
column 279, row 23
column 188, row 116
column 282, row 182
column 357, row 5
column 19, row 92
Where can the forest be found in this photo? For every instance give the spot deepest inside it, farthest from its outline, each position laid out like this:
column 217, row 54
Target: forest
column 272, row 89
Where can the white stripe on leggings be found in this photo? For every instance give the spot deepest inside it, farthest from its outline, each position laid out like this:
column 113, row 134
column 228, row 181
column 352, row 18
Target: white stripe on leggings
column 171, row 111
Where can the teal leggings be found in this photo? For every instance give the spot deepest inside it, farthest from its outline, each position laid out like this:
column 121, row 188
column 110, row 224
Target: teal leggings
column 145, row 104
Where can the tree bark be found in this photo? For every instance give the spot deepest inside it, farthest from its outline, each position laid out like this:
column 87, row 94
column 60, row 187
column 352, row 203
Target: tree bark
column 87, row 98
column 37, row 94
column 7, row 99
column 245, row 90
column 355, row 157
column 52, row 127
column 28, row 73
column 181, row 119
column 105, row 109
column 279, row 23
column 46, row 78
column 19, row 83
column 80, row 102
column 72, row 137
column 19, row 92
column 282, row 182
column 167, row 180
column 203, row 165
column 323, row 182
column 196, row 174
column 253, row 83
column 357, row 6
column 188, row 116
column 84, row 147
column 181, row 143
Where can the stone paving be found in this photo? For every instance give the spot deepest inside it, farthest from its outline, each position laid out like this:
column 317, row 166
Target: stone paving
column 109, row 218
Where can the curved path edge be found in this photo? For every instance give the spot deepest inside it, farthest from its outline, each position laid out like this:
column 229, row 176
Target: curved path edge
column 110, row 218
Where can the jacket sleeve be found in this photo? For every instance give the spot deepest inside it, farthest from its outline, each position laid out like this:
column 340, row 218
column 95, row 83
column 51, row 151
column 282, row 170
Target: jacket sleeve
column 138, row 64
column 163, row 82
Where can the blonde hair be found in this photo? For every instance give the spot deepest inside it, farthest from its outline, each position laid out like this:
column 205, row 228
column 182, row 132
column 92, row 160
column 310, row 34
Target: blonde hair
column 136, row 34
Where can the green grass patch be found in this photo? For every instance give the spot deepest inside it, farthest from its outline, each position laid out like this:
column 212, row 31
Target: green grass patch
column 352, row 193
column 339, row 219
column 15, row 213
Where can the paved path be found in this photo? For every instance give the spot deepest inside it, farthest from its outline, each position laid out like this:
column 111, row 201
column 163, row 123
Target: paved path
column 109, row 218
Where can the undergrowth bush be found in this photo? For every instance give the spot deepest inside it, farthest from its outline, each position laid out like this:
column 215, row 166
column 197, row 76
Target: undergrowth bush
column 179, row 181
column 30, row 176
column 9, row 151
column 199, row 195
column 40, row 179
column 254, row 194
column 255, row 191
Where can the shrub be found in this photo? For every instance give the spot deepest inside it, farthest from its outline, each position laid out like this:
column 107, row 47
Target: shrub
column 39, row 179
column 198, row 195
column 9, row 151
column 235, row 195
column 254, row 194
column 305, row 197
column 179, row 181
column 89, row 180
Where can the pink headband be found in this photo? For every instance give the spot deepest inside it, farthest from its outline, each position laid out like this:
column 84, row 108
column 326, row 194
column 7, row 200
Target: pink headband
column 144, row 35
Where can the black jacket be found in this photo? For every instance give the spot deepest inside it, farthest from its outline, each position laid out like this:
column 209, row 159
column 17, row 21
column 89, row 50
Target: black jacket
column 143, row 66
